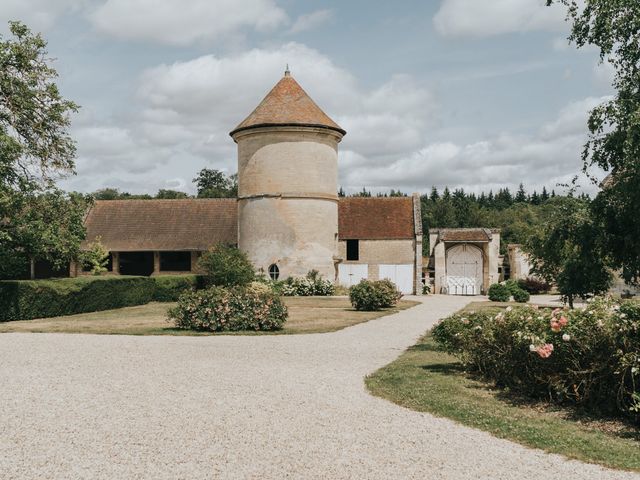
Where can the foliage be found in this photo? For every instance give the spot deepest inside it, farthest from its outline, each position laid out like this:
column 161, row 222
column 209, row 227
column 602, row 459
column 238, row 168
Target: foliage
column 95, row 257
column 35, row 149
column 170, row 194
column 520, row 295
column 512, row 285
column 27, row 299
column 168, row 288
column 614, row 141
column 589, row 358
column 226, row 266
column 311, row 285
column 534, row 285
column 499, row 292
column 47, row 226
column 219, row 309
column 35, row 145
column 213, row 183
column 567, row 250
column 372, row 296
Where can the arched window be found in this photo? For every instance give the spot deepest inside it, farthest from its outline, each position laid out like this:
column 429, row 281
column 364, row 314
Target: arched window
column 274, row 272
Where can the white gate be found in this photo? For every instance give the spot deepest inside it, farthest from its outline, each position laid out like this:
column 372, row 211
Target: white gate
column 401, row 275
column 350, row 274
column 464, row 270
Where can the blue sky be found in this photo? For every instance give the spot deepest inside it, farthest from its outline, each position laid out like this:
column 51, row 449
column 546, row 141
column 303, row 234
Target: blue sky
column 478, row 95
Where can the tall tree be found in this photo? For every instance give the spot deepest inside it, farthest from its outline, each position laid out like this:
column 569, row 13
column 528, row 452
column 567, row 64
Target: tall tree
column 212, row 183
column 35, row 150
column 613, row 26
column 567, row 250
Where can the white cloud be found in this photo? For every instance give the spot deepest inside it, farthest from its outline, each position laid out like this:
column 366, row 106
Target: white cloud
column 39, row 15
column 483, row 19
column 312, row 20
column 185, row 111
column 176, row 22
column 549, row 157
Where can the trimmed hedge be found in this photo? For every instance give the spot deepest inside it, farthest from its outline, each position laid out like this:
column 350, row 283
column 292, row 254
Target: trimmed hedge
column 29, row 299
column 170, row 287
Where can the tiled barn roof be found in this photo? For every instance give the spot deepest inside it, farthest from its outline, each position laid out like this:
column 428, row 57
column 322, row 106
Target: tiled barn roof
column 464, row 234
column 190, row 224
column 376, row 218
column 287, row 104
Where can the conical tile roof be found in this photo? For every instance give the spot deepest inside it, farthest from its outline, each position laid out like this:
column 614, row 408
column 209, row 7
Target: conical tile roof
column 285, row 105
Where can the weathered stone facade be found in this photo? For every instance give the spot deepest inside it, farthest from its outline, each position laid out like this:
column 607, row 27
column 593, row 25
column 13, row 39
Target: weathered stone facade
column 287, row 198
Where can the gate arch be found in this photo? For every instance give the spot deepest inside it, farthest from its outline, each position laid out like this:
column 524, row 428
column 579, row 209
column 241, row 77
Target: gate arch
column 464, row 270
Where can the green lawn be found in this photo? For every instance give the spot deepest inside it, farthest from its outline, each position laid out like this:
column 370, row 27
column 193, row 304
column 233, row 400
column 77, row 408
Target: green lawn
column 427, row 380
column 306, row 315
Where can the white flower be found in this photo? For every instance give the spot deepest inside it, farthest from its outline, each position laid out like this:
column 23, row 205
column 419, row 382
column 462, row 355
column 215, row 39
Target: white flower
column 508, row 309
column 566, row 337
column 532, row 348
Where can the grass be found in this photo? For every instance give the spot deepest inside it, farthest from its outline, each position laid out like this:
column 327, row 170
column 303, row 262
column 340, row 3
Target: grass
column 306, row 315
column 427, row 380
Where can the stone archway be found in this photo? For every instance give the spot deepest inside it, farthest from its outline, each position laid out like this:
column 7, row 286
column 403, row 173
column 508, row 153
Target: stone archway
column 464, row 270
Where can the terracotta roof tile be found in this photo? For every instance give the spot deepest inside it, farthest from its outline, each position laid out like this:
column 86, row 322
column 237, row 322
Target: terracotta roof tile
column 287, row 104
column 465, row 235
column 375, row 218
column 189, row 224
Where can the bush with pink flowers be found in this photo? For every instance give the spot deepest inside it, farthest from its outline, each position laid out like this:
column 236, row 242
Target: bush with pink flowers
column 587, row 357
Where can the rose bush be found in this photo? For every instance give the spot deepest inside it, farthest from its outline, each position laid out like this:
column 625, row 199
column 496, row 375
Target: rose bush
column 219, row 309
column 587, row 357
column 311, row 285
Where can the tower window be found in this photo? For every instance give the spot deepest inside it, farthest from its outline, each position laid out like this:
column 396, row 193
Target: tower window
column 274, row 272
column 353, row 250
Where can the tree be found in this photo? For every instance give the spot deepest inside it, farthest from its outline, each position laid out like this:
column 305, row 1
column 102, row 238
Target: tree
column 613, row 26
column 95, row 257
column 567, row 250
column 170, row 194
column 38, row 221
column 212, row 183
column 226, row 266
column 521, row 195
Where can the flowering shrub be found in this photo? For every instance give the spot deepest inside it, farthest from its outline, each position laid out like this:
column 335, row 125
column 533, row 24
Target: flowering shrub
column 590, row 357
column 499, row 292
column 371, row 296
column 312, row 284
column 219, row 309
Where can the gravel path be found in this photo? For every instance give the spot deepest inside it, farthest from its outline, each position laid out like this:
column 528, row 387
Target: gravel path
column 271, row 407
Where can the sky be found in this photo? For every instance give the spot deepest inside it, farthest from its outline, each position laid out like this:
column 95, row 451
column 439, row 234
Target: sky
column 459, row 93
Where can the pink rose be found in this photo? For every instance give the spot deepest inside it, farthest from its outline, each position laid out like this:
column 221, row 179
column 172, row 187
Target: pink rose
column 545, row 350
column 555, row 326
column 563, row 321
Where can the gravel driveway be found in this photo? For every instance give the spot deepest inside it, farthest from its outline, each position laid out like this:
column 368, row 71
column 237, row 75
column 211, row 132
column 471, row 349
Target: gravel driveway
column 122, row 407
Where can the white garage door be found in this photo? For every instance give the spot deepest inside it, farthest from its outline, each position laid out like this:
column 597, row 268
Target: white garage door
column 350, row 274
column 401, row 275
column 464, row 270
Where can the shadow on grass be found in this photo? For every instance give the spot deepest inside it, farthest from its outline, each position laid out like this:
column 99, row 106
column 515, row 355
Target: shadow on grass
column 444, row 368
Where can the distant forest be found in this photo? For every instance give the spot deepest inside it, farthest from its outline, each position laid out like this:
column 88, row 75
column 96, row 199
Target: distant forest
column 517, row 215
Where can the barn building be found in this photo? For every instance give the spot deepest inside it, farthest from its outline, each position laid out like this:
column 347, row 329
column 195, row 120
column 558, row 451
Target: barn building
column 288, row 217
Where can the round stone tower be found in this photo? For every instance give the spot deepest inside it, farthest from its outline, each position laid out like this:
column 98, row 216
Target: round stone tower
column 288, row 184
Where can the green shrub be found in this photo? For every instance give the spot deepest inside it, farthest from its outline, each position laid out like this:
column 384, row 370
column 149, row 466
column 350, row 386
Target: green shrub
column 226, row 266
column 372, row 296
column 219, row 309
column 169, row 287
column 586, row 357
column 499, row 292
column 512, row 285
column 520, row 295
column 28, row 299
column 311, row 285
